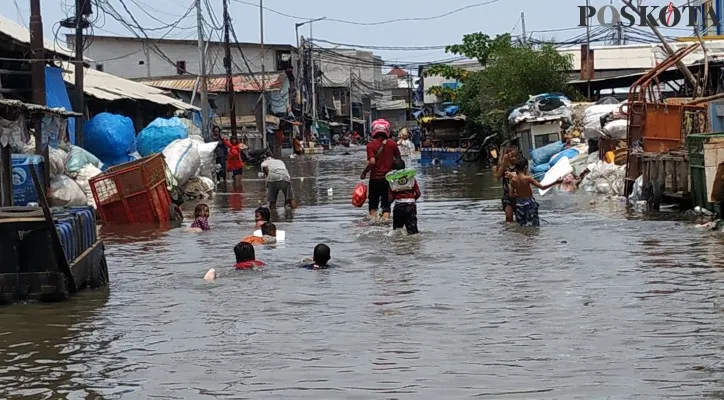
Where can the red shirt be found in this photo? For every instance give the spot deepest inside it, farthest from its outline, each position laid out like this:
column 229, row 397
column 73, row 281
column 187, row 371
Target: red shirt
column 233, row 158
column 383, row 162
column 249, row 264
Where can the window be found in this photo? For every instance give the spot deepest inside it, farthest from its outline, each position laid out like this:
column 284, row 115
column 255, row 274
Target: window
column 141, row 62
column 283, row 60
column 546, row 139
column 180, row 67
column 99, row 67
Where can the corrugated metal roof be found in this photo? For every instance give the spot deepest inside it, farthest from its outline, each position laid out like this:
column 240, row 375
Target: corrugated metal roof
column 22, row 35
column 245, row 120
column 110, row 87
column 217, row 84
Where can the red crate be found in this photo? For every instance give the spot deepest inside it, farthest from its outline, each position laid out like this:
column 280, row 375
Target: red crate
column 133, row 193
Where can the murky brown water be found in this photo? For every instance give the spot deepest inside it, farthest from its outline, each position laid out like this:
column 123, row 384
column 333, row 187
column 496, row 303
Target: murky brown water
column 592, row 306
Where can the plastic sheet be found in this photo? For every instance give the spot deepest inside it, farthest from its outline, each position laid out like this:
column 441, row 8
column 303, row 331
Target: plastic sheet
column 569, row 153
column 78, row 158
column 359, row 195
column 159, row 134
column 540, row 168
column 56, row 96
column 543, row 154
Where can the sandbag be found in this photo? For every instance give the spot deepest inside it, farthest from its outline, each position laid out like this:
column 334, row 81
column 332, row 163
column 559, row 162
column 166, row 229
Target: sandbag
column 78, row 158
column 359, row 195
column 570, row 153
column 182, row 157
column 543, row 155
column 109, row 135
column 65, row 192
column 83, row 177
column 540, row 168
column 616, row 129
column 159, row 134
column 57, row 161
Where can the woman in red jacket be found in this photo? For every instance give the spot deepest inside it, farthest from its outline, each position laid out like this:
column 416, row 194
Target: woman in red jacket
column 234, row 164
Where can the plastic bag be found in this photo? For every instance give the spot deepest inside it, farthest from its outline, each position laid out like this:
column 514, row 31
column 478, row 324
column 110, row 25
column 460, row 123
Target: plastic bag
column 182, row 158
column 78, row 158
column 65, row 192
column 83, row 177
column 570, row 153
column 109, row 135
column 207, row 168
column 543, row 155
column 57, row 161
column 359, row 195
column 159, row 134
column 540, row 168
column 112, row 161
column 616, row 129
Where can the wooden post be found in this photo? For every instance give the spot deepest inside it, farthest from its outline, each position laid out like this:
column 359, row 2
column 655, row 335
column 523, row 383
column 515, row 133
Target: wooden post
column 6, row 178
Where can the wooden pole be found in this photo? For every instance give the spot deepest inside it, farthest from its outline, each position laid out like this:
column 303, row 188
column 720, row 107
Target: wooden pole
column 6, row 178
column 37, row 54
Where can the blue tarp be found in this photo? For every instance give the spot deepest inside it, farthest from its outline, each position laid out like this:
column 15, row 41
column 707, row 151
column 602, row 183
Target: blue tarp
column 56, row 95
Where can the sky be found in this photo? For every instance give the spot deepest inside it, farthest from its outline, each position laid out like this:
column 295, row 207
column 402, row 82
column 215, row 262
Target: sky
column 491, row 17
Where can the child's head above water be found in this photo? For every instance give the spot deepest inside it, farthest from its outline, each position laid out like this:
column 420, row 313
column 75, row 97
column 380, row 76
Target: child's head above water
column 269, row 229
column 244, row 252
column 321, row 255
column 201, row 211
column 521, row 165
column 262, row 214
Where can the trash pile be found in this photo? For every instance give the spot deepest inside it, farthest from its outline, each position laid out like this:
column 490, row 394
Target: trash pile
column 543, row 105
column 544, row 158
column 110, row 140
column 606, row 119
column 606, row 179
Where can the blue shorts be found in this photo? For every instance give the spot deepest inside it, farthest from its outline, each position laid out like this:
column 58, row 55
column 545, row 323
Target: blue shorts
column 237, row 172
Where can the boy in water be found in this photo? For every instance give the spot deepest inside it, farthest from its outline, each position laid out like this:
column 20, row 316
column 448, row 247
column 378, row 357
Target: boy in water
column 321, row 257
column 268, row 232
column 505, row 168
column 245, row 256
column 404, row 192
column 526, row 208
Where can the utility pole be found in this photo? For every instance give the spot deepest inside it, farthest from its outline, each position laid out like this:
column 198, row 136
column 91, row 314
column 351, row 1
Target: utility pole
column 588, row 52
column 37, row 54
column 351, row 115
column 522, row 24
column 79, row 70
column 298, row 70
column 314, row 77
column 229, row 77
column 263, row 78
column 202, row 74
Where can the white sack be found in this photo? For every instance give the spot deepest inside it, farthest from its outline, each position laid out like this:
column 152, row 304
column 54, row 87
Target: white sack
column 65, row 192
column 182, row 158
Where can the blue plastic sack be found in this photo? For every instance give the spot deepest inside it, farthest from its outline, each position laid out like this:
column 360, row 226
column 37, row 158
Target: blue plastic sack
column 544, row 154
column 540, row 168
column 109, row 135
column 159, row 134
column 570, row 153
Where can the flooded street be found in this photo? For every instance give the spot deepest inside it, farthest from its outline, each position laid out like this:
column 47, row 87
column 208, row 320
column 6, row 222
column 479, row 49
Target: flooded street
column 594, row 305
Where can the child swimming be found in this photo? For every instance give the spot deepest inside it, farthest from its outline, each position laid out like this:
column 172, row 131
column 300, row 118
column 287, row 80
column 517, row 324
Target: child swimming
column 201, row 219
column 268, row 232
column 245, row 257
column 321, row 257
column 261, row 216
column 404, row 192
column 526, row 208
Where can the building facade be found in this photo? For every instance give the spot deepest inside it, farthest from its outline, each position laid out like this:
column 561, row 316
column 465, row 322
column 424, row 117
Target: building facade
column 135, row 58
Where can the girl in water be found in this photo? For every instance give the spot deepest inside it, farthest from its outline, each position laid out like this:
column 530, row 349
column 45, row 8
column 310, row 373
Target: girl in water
column 201, row 219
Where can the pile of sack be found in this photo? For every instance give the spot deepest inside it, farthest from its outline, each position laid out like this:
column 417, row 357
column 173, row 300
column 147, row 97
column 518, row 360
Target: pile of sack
column 543, row 105
column 607, row 119
column 607, row 179
column 544, row 158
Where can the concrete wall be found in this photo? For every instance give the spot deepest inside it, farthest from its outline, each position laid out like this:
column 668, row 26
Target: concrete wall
column 133, row 59
column 337, row 67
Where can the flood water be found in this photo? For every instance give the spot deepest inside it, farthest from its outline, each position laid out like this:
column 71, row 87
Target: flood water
column 594, row 305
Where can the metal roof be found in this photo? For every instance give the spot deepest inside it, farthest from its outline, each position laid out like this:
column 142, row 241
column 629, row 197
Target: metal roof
column 217, row 84
column 21, row 34
column 35, row 108
column 110, row 87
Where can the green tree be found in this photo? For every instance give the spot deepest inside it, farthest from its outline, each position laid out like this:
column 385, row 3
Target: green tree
column 508, row 76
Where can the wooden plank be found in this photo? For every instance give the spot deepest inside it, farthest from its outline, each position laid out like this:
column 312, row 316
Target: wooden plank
column 14, row 72
column 11, row 90
column 6, row 177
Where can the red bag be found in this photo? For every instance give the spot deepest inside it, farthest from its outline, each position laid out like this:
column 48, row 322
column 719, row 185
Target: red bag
column 359, row 196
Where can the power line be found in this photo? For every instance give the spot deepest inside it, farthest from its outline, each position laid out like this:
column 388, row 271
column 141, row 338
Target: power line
column 382, row 48
column 342, row 21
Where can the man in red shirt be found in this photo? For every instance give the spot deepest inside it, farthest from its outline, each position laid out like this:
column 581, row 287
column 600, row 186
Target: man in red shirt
column 381, row 154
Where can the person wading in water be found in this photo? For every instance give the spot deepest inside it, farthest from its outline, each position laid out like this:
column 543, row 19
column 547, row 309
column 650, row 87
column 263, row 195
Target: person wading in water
column 381, row 155
column 507, row 165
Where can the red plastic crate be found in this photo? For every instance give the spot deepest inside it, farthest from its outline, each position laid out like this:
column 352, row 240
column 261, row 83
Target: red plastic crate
column 133, row 193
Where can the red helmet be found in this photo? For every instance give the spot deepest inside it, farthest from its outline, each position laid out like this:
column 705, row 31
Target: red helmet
column 381, row 126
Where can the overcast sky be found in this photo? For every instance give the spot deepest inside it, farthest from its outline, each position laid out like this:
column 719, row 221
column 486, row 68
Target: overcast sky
column 498, row 16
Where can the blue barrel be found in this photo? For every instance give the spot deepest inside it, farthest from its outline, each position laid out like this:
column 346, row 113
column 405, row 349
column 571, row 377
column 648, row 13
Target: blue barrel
column 80, row 217
column 63, row 229
column 87, row 215
column 72, row 224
